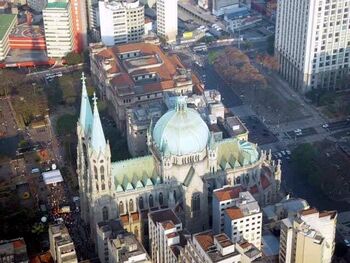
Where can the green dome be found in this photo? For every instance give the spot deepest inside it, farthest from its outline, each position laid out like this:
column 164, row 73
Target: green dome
column 181, row 131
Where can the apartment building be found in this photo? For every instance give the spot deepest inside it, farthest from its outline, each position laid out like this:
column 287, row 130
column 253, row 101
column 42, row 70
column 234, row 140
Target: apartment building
column 166, row 237
column 61, row 244
column 7, row 23
column 117, row 245
column 167, row 20
column 58, row 28
column 244, row 220
column 37, row 5
column 14, row 250
column 312, row 42
column 121, row 21
column 79, row 24
column 308, row 238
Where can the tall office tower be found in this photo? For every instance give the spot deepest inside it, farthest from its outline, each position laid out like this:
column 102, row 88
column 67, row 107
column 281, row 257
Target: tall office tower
column 92, row 14
column 121, row 21
column 58, row 28
column 79, row 22
column 167, row 20
column 313, row 42
column 309, row 237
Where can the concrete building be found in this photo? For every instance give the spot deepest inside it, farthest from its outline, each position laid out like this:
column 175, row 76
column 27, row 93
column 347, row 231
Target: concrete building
column 7, row 23
column 14, row 250
column 61, row 244
column 93, row 16
column 312, row 43
column 149, row 3
column 167, row 20
column 234, row 196
column 244, row 220
column 37, row 5
column 221, row 7
column 117, row 245
column 249, row 253
column 79, row 24
column 288, row 207
column 137, row 124
column 132, row 75
column 58, row 28
column 309, row 237
column 121, row 21
column 165, row 236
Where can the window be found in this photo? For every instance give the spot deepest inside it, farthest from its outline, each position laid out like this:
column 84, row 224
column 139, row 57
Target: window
column 195, row 203
column 141, row 202
column 131, row 205
column 121, row 208
column 160, row 198
column 105, row 213
column 150, row 200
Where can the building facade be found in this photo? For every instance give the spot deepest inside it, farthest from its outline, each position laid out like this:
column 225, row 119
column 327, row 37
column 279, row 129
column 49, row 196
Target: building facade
column 309, row 237
column 14, row 250
column 79, row 23
column 167, row 20
column 312, row 43
column 121, row 22
column 58, row 28
column 244, row 220
column 61, row 244
column 7, row 23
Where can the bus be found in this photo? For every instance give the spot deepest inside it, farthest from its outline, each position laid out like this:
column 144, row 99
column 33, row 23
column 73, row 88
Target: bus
column 200, row 48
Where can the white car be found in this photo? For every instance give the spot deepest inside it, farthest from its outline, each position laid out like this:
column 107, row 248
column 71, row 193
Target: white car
column 297, row 130
column 325, row 125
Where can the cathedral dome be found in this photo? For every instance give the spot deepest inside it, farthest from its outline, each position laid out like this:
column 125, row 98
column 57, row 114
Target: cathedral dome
column 181, row 131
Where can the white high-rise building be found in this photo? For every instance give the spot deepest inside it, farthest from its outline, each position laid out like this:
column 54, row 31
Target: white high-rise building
column 58, row 28
column 309, row 237
column 121, row 21
column 167, row 20
column 313, row 42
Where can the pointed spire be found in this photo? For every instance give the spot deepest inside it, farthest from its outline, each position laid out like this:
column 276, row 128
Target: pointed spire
column 98, row 141
column 85, row 118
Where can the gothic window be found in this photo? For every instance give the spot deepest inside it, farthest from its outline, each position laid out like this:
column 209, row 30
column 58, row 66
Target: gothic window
column 175, row 195
column 103, row 186
column 141, row 202
column 150, row 200
column 121, row 208
column 105, row 213
column 131, row 205
column 95, row 172
column 97, row 187
column 102, row 172
column 136, row 232
column 160, row 198
column 195, row 203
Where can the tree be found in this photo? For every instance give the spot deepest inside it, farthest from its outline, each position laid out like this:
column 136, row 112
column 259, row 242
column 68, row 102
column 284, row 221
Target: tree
column 269, row 62
column 73, row 58
column 235, row 67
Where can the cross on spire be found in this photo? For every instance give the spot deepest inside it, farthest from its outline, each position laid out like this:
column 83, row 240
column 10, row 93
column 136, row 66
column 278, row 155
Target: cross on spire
column 83, row 78
column 94, row 98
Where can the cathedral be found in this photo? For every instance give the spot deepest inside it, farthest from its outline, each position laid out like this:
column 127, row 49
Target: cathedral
column 184, row 165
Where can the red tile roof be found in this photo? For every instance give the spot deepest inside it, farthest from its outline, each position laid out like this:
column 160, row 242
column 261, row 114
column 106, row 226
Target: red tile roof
column 205, row 240
column 228, row 193
column 234, row 213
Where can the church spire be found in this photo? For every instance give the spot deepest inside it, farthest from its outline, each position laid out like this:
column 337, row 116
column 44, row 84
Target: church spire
column 98, row 141
column 85, row 118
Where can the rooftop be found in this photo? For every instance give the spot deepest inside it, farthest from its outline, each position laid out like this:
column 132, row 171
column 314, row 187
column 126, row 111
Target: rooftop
column 15, row 247
column 234, row 213
column 140, row 68
column 5, row 22
column 228, row 193
column 207, row 242
column 60, row 5
column 164, row 215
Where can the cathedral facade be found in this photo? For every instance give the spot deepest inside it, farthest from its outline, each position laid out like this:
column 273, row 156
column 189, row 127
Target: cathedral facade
column 185, row 164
